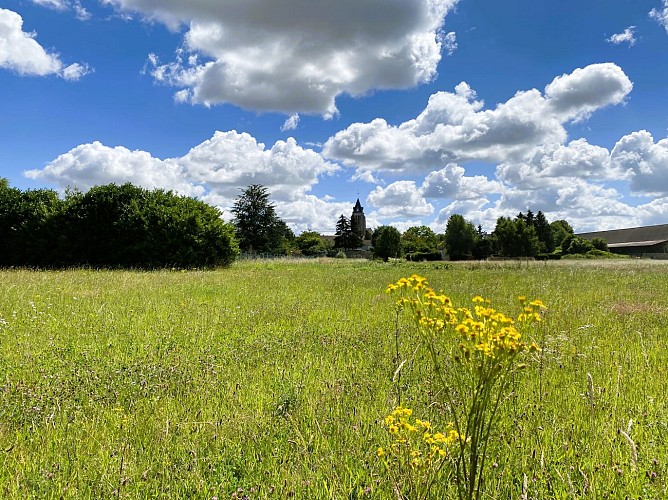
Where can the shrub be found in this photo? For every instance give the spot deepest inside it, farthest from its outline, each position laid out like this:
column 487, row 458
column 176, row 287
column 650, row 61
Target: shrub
column 600, row 244
column 114, row 226
column 420, row 256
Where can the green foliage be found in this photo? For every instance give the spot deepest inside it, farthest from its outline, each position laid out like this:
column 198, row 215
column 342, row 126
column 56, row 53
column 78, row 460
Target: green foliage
column 544, row 233
column 386, row 243
column 460, row 238
column 560, row 230
column 600, row 244
column 26, row 225
column 258, row 228
column 346, row 238
column 419, row 239
column 112, row 226
column 576, row 245
column 484, row 247
column 420, row 256
column 516, row 238
column 595, row 254
column 311, row 244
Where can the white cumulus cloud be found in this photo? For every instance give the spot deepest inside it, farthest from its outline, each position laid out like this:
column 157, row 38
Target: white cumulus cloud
column 577, row 95
column 93, row 164
column 451, row 182
column 645, row 160
column 626, row 36
column 297, row 56
column 20, row 52
column 214, row 171
column 454, row 127
column 400, row 199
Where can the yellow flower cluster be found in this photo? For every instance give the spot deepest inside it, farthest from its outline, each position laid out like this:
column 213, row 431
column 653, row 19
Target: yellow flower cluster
column 481, row 328
column 415, row 443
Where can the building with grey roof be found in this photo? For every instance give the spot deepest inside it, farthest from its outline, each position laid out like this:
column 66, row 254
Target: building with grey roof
column 647, row 241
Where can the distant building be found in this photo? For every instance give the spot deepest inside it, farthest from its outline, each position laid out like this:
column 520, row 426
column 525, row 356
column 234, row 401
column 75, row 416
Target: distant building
column 358, row 219
column 647, row 241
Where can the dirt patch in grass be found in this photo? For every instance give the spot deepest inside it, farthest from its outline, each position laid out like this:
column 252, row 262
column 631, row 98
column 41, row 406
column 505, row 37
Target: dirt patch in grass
column 626, row 308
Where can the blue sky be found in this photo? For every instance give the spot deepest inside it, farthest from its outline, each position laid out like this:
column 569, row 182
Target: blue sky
column 426, row 108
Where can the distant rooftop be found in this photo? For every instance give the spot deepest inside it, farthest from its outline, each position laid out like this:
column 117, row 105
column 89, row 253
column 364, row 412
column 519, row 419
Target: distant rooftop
column 631, row 237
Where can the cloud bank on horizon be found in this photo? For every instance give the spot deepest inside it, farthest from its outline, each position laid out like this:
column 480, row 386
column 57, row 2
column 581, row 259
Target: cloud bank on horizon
column 455, row 155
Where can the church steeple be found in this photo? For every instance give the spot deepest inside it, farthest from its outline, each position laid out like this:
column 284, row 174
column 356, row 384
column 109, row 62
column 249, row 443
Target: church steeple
column 358, row 219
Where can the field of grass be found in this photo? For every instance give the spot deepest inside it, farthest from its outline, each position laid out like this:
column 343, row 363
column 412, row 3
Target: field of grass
column 271, row 380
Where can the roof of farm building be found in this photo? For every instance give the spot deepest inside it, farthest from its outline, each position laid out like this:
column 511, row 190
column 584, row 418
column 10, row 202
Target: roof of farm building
column 630, row 237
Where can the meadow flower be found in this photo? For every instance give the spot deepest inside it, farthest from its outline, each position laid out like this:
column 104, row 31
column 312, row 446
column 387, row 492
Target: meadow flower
column 488, row 343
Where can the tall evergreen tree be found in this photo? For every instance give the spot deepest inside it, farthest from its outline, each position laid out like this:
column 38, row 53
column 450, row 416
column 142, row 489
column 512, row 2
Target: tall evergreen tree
column 544, row 233
column 345, row 237
column 258, row 228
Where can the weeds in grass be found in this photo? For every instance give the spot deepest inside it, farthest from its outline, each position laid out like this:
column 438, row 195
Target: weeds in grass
column 416, row 454
column 474, row 354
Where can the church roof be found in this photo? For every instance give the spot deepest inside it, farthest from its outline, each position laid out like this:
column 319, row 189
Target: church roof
column 358, row 207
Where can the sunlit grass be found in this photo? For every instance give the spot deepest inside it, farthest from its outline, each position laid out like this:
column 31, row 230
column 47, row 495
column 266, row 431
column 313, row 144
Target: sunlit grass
column 274, row 377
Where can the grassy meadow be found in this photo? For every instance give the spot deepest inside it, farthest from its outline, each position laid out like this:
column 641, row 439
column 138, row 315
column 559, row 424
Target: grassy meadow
column 271, row 379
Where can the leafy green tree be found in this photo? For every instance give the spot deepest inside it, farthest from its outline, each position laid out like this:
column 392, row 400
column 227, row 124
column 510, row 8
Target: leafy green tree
column 506, row 237
column 515, row 238
column 566, row 243
column 483, row 248
column 528, row 241
column 419, row 239
column 113, row 226
column 386, row 242
column 460, row 238
column 310, row 243
column 345, row 237
column 560, row 230
column 258, row 228
column 128, row 226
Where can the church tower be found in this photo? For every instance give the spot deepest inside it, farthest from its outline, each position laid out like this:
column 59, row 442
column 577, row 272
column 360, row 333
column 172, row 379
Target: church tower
column 358, row 219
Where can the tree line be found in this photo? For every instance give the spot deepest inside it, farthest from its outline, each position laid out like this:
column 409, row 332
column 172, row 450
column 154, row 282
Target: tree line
column 111, row 226
column 132, row 227
column 525, row 235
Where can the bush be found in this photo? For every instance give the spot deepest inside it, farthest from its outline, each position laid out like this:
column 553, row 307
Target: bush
column 114, row 226
column 600, row 244
column 420, row 256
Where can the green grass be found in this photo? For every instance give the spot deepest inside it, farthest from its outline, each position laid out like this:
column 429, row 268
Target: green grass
column 273, row 377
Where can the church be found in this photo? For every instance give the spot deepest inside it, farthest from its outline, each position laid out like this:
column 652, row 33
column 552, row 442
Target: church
column 358, row 219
